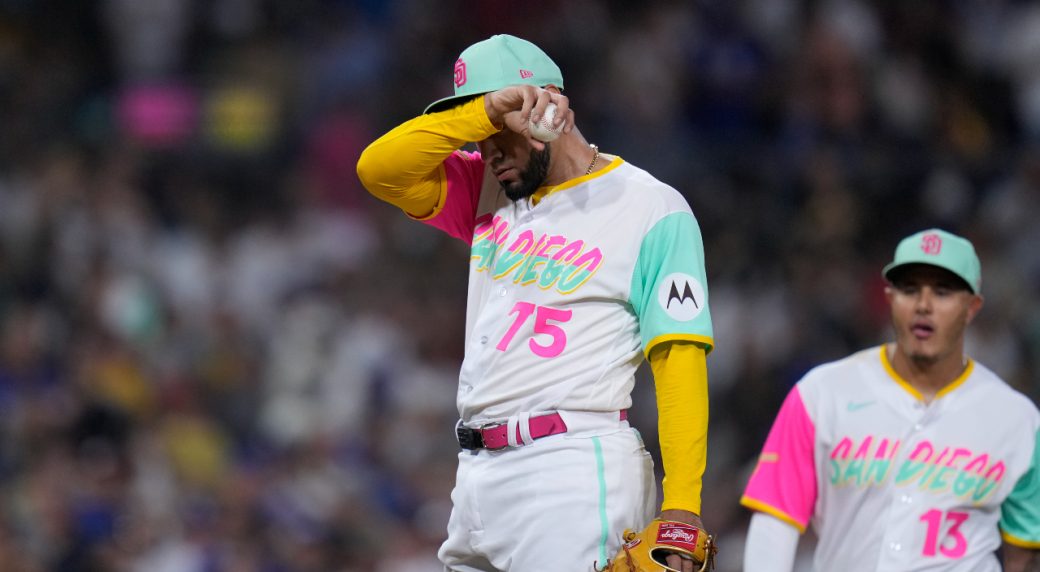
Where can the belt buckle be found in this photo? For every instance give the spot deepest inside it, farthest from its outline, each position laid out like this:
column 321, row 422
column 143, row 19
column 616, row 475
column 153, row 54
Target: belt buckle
column 469, row 439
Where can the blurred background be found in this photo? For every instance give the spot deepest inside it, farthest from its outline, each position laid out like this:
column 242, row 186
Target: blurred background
column 218, row 353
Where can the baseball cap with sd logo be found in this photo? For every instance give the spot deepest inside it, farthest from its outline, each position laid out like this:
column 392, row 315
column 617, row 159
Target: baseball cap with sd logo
column 937, row 247
column 497, row 62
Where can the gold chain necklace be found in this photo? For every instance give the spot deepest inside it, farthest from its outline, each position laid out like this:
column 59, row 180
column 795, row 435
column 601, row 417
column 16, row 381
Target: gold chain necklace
column 595, row 157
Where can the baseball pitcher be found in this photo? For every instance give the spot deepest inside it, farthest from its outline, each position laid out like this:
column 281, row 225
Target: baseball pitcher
column 581, row 265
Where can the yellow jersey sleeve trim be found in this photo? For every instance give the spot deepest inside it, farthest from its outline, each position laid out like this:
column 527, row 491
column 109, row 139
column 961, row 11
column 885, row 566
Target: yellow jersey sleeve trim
column 707, row 341
column 911, row 390
column 760, row 506
column 1014, row 540
column 543, row 192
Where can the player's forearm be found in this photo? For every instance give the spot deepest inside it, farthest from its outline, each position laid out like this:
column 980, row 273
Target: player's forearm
column 681, row 378
column 771, row 545
column 1018, row 559
column 403, row 167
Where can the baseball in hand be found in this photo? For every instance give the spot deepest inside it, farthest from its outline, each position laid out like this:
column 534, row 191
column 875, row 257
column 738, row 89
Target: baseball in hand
column 544, row 130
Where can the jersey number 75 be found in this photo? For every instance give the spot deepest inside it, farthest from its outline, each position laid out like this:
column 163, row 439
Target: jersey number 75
column 543, row 316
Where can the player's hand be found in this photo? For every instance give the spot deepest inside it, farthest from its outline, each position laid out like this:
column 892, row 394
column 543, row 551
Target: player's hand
column 513, row 107
column 675, row 561
column 683, row 545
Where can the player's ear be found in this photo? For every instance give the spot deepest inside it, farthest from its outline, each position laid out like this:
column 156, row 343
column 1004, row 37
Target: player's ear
column 889, row 292
column 974, row 305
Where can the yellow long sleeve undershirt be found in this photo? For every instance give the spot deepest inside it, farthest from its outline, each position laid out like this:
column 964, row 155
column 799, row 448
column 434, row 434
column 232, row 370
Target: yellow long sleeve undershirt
column 403, row 167
column 681, row 381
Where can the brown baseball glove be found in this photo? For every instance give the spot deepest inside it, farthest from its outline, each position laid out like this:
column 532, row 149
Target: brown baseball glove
column 645, row 551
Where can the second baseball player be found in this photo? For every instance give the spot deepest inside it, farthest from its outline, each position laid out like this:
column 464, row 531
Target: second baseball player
column 910, row 455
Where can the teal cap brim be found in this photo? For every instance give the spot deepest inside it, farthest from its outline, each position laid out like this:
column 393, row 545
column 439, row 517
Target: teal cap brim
column 449, row 102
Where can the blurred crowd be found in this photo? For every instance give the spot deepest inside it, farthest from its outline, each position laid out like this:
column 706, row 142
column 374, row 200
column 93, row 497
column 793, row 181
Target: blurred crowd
column 218, row 353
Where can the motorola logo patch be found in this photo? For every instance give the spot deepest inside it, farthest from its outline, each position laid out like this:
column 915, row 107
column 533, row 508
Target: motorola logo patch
column 681, row 296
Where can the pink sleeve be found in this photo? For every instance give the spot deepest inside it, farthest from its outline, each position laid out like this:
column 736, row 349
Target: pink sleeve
column 456, row 210
column 784, row 482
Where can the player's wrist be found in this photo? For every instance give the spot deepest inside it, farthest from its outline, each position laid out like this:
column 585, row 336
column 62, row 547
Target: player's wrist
column 497, row 105
column 682, row 502
column 681, row 515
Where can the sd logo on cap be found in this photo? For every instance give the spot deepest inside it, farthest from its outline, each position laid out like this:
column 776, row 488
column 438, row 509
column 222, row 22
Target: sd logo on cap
column 937, row 247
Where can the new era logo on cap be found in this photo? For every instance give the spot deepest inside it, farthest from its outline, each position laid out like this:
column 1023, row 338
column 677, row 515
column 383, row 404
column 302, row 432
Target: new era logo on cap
column 524, row 74
column 931, row 243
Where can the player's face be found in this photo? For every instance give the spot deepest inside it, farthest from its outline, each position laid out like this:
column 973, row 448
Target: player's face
column 519, row 168
column 931, row 308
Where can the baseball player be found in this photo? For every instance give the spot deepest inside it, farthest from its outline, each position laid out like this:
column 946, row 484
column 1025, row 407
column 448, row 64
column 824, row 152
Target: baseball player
column 908, row 456
column 581, row 265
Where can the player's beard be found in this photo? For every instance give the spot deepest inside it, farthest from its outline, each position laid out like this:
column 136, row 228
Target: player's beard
column 531, row 178
column 923, row 360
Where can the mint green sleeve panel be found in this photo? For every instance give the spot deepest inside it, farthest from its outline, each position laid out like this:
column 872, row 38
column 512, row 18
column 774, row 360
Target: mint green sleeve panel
column 669, row 289
column 1020, row 513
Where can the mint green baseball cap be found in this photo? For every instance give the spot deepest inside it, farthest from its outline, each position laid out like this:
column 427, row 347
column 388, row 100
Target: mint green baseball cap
column 937, row 247
column 497, row 62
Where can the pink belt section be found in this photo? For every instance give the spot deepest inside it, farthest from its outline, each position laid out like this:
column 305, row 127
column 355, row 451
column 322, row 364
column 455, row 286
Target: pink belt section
column 497, row 437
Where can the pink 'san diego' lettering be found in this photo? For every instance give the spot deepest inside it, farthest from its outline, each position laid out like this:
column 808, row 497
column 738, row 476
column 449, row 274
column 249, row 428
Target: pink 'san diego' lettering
column 970, row 475
column 548, row 261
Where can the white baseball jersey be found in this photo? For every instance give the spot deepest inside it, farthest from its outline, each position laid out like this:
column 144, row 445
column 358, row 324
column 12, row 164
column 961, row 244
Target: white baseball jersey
column 892, row 483
column 565, row 295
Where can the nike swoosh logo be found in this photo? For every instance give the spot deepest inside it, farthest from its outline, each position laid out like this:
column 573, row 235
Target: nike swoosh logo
column 853, row 406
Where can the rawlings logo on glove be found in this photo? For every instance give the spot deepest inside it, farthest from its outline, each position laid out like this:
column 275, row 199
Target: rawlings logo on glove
column 678, row 534
column 645, row 551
